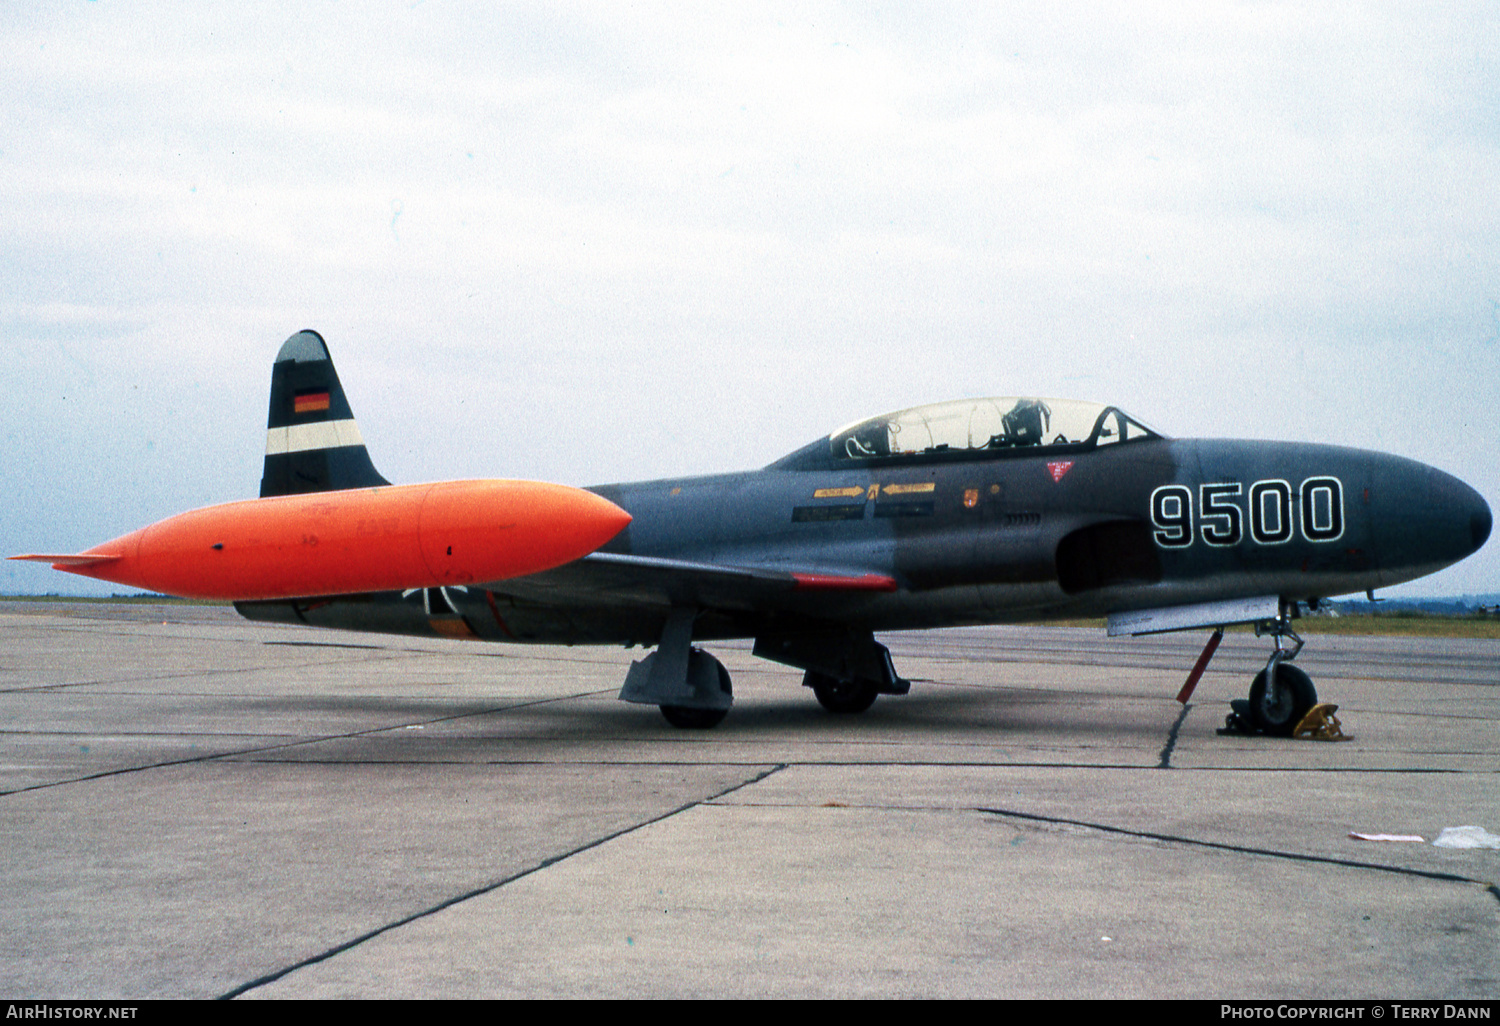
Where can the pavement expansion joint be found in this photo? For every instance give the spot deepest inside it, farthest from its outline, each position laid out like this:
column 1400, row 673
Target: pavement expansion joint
column 494, row 885
column 1426, row 874
column 240, row 756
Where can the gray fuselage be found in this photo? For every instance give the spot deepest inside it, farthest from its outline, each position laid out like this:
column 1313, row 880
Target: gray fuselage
column 970, row 538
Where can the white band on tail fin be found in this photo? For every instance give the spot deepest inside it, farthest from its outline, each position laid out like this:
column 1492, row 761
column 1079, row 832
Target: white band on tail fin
column 330, row 434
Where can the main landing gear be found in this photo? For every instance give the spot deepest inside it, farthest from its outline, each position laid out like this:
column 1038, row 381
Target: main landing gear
column 690, row 686
column 846, row 670
column 714, row 679
column 841, row 696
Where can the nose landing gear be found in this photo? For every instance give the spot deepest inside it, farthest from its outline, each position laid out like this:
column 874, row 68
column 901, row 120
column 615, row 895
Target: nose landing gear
column 1281, row 694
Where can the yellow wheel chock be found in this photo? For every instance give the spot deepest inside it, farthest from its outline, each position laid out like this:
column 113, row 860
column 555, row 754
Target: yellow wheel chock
column 1320, row 724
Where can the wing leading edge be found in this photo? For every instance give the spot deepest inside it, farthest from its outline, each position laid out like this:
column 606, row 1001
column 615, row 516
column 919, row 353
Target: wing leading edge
column 617, row 577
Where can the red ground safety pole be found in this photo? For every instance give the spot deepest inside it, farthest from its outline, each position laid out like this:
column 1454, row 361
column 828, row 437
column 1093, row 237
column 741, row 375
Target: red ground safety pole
column 1200, row 666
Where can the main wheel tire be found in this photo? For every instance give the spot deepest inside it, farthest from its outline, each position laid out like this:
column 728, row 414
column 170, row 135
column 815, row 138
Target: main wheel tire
column 688, row 718
column 842, row 696
column 1277, row 710
column 692, row 718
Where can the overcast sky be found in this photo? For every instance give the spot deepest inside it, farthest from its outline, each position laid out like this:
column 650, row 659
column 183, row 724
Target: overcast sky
column 604, row 242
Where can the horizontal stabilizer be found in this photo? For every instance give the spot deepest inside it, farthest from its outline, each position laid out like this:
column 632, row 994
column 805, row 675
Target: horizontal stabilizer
column 71, row 559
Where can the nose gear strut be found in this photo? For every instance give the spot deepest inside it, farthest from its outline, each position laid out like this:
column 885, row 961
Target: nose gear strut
column 1281, row 694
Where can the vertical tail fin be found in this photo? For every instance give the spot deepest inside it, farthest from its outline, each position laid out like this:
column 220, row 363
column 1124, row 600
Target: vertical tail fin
column 312, row 441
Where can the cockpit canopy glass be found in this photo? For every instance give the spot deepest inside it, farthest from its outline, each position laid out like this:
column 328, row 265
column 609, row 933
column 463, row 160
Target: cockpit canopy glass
column 987, row 426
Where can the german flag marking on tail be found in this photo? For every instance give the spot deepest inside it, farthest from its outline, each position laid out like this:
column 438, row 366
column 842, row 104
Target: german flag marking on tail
column 310, row 402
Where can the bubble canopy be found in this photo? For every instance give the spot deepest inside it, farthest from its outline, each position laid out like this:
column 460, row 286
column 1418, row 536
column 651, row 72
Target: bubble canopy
column 989, row 427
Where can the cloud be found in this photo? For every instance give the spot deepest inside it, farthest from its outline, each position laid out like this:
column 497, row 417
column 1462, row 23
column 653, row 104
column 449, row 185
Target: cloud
column 587, row 243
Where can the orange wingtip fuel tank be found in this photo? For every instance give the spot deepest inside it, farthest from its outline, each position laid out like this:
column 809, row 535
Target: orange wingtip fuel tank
column 366, row 539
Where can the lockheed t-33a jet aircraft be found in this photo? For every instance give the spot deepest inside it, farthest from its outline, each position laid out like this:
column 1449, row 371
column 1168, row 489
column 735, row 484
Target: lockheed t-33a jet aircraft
column 982, row 511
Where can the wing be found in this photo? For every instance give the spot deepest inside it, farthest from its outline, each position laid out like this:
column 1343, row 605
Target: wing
column 612, row 579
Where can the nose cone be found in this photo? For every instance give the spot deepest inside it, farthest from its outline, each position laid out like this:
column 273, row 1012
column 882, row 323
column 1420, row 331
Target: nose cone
column 1480, row 523
column 1424, row 519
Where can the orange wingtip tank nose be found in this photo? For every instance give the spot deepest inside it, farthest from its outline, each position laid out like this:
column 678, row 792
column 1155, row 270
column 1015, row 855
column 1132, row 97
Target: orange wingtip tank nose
column 373, row 539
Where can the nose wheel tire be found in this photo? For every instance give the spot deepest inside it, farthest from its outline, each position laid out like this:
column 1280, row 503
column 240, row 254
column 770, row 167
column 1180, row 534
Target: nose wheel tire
column 842, row 696
column 1277, row 710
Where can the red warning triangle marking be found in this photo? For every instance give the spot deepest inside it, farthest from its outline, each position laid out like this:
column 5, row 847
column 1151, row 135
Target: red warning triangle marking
column 1059, row 468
